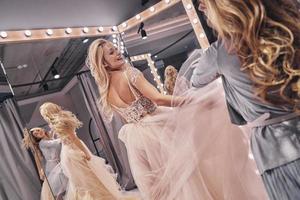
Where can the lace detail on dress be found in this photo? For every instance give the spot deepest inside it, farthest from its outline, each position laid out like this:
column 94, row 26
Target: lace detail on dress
column 141, row 106
column 133, row 74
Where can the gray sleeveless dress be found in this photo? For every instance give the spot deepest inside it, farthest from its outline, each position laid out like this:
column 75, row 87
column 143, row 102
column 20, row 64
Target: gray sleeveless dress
column 51, row 151
column 275, row 146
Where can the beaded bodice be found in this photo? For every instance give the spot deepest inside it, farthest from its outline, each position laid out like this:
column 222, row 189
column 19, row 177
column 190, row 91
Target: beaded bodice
column 141, row 106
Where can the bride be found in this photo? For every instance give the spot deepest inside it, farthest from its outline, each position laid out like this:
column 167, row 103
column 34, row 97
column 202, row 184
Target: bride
column 89, row 177
column 188, row 152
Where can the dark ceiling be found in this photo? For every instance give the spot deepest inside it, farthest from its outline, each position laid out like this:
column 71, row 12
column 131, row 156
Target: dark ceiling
column 35, row 14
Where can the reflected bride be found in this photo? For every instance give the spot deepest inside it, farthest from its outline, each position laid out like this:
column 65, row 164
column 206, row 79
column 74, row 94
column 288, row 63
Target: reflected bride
column 89, row 176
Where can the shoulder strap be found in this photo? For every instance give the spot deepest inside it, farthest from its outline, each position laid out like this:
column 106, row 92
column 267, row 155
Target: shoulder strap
column 132, row 89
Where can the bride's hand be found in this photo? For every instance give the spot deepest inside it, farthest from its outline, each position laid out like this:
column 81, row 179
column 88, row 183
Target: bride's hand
column 180, row 101
column 87, row 156
column 42, row 174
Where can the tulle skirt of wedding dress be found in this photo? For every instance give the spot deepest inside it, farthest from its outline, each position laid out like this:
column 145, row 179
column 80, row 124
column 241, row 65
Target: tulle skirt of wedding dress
column 192, row 152
column 54, row 184
column 89, row 180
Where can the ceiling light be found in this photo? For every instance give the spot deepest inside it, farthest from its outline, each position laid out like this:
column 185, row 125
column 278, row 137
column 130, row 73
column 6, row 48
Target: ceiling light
column 138, row 17
column 27, row 33
column 189, row 6
column 114, row 28
column 143, row 34
column 100, row 29
column 114, row 41
column 202, row 35
column 85, row 30
column 49, row 32
column 114, row 35
column 68, row 30
column 195, row 21
column 20, row 66
column 3, row 34
column 124, row 24
column 167, row 1
column 152, row 9
column 85, row 40
column 55, row 73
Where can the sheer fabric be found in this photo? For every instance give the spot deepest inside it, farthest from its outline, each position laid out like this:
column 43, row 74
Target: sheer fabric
column 191, row 152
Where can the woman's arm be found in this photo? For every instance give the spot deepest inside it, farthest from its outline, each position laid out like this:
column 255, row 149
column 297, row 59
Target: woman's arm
column 205, row 66
column 78, row 143
column 150, row 92
column 38, row 165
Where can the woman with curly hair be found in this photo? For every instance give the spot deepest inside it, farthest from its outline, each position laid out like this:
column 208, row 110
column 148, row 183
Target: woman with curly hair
column 258, row 57
column 46, row 151
column 170, row 79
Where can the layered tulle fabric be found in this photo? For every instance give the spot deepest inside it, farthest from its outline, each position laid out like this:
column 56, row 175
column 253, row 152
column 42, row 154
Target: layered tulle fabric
column 192, row 152
column 89, row 180
column 46, row 192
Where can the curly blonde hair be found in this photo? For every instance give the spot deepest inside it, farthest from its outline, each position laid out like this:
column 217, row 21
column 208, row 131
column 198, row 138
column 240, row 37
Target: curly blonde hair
column 266, row 36
column 61, row 121
column 64, row 122
column 170, row 79
column 48, row 110
column 95, row 61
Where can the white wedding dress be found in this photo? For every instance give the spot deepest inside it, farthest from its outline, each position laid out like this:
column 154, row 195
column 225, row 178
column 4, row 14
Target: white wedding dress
column 191, row 152
column 88, row 180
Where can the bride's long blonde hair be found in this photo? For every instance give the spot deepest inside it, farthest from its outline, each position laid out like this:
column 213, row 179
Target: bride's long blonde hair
column 266, row 36
column 48, row 110
column 95, row 61
column 65, row 122
column 61, row 121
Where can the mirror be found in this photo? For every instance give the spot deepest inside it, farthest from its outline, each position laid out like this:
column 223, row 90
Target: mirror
column 46, row 71
column 55, row 71
column 168, row 37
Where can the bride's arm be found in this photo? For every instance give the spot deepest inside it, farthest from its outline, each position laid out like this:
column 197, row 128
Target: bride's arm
column 150, row 92
column 78, row 143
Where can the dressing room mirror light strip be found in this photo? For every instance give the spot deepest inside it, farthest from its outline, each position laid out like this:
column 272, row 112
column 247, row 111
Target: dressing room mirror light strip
column 196, row 24
column 46, row 34
column 153, row 69
column 163, row 5
column 146, row 14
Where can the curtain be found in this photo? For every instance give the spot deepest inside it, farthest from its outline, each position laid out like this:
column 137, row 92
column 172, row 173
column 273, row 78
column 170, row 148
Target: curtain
column 114, row 149
column 18, row 176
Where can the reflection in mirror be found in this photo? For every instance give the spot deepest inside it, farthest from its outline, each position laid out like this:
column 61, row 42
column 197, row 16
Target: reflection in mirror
column 55, row 71
column 168, row 37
